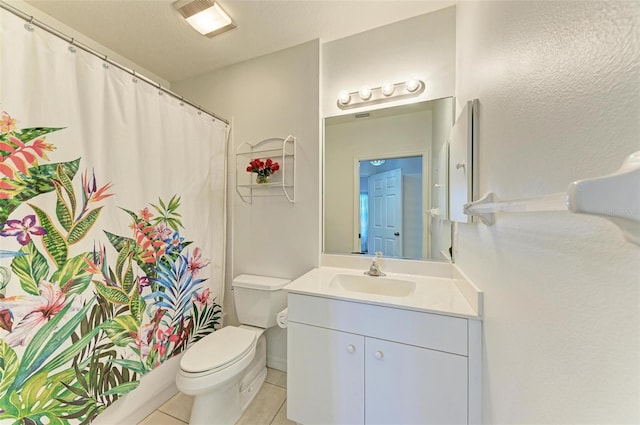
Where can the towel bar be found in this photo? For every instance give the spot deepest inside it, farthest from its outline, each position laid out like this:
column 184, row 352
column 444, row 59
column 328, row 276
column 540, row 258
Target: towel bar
column 615, row 197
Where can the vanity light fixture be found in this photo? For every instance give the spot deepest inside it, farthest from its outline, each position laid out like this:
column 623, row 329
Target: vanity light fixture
column 412, row 85
column 205, row 16
column 344, row 97
column 387, row 88
column 385, row 93
column 364, row 93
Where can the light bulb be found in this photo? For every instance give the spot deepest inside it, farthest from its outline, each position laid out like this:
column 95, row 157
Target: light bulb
column 412, row 85
column 388, row 88
column 365, row 93
column 344, row 97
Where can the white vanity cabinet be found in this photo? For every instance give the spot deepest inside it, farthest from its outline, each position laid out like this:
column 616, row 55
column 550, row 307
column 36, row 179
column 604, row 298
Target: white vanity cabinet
column 358, row 363
column 326, row 369
column 413, row 385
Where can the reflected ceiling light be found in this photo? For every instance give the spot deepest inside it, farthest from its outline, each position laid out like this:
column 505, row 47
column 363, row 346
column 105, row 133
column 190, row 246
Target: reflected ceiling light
column 385, row 93
column 205, row 16
column 377, row 162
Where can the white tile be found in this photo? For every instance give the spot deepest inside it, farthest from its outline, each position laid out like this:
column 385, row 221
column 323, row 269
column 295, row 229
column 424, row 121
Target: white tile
column 159, row 418
column 179, row 406
column 276, row 377
column 281, row 417
column 264, row 407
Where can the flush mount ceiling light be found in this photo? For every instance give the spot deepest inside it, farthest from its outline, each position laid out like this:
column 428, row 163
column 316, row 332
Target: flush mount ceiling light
column 385, row 93
column 205, row 16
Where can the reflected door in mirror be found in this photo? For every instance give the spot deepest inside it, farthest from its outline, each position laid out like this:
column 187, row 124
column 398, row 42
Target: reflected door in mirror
column 385, row 213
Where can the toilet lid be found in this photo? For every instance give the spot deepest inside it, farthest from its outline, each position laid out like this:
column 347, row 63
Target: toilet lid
column 218, row 349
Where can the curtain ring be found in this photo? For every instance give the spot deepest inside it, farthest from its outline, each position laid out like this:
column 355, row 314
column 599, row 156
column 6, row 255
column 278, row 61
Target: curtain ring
column 181, row 100
column 105, row 64
column 160, row 91
column 71, row 48
column 28, row 25
column 134, row 79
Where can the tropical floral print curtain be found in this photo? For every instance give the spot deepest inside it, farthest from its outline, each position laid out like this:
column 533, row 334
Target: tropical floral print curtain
column 111, row 229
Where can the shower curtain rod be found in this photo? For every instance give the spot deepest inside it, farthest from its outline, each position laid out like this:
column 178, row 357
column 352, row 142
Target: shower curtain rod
column 32, row 21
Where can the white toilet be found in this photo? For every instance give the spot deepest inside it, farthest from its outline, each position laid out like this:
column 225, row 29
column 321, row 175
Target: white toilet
column 225, row 369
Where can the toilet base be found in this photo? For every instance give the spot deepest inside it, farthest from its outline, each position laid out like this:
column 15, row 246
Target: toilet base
column 225, row 404
column 219, row 408
column 248, row 394
column 225, row 407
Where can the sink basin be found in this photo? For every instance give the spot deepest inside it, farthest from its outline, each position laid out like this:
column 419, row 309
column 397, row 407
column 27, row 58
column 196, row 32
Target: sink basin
column 373, row 285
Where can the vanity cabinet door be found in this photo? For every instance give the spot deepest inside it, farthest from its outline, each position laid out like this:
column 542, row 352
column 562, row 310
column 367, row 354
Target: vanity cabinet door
column 325, row 376
column 411, row 385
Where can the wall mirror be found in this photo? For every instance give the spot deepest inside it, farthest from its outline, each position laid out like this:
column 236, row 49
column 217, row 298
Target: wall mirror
column 386, row 181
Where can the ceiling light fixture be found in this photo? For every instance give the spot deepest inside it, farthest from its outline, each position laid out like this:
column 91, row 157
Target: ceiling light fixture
column 385, row 93
column 205, row 16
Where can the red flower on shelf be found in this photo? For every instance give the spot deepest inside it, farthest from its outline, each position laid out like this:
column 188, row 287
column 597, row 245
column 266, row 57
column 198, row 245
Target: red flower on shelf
column 263, row 169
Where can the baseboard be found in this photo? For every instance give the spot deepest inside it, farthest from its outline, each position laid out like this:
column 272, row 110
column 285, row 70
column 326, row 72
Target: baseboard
column 277, row 363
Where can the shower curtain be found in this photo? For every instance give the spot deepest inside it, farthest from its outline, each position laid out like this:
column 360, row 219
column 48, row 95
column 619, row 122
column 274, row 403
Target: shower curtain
column 111, row 228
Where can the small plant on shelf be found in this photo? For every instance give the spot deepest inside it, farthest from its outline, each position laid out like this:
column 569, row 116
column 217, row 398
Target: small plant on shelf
column 263, row 169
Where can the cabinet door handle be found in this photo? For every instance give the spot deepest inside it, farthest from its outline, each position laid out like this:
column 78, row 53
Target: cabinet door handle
column 378, row 355
column 351, row 348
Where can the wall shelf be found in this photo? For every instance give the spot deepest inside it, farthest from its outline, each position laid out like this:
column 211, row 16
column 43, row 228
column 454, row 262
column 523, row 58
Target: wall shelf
column 280, row 150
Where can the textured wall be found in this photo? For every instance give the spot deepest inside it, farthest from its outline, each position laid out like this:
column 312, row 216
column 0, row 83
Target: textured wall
column 559, row 90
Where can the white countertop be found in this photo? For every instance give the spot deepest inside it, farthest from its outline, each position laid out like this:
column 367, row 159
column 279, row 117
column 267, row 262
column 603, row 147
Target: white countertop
column 441, row 295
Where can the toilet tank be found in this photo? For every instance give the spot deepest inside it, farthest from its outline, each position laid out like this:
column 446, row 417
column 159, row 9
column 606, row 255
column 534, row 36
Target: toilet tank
column 258, row 299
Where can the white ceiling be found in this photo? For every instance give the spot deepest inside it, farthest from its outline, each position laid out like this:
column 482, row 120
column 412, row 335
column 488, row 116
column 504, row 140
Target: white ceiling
column 154, row 35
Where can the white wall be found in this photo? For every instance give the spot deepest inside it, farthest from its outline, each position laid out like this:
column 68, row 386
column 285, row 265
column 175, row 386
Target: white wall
column 559, row 90
column 270, row 96
column 422, row 47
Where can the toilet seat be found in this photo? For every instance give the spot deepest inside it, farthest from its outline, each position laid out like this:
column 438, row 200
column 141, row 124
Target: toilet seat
column 217, row 351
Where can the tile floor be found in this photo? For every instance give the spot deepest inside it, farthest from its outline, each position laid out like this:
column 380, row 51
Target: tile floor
column 268, row 408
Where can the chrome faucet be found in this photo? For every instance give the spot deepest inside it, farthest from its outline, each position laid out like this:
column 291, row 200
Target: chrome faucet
column 374, row 268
